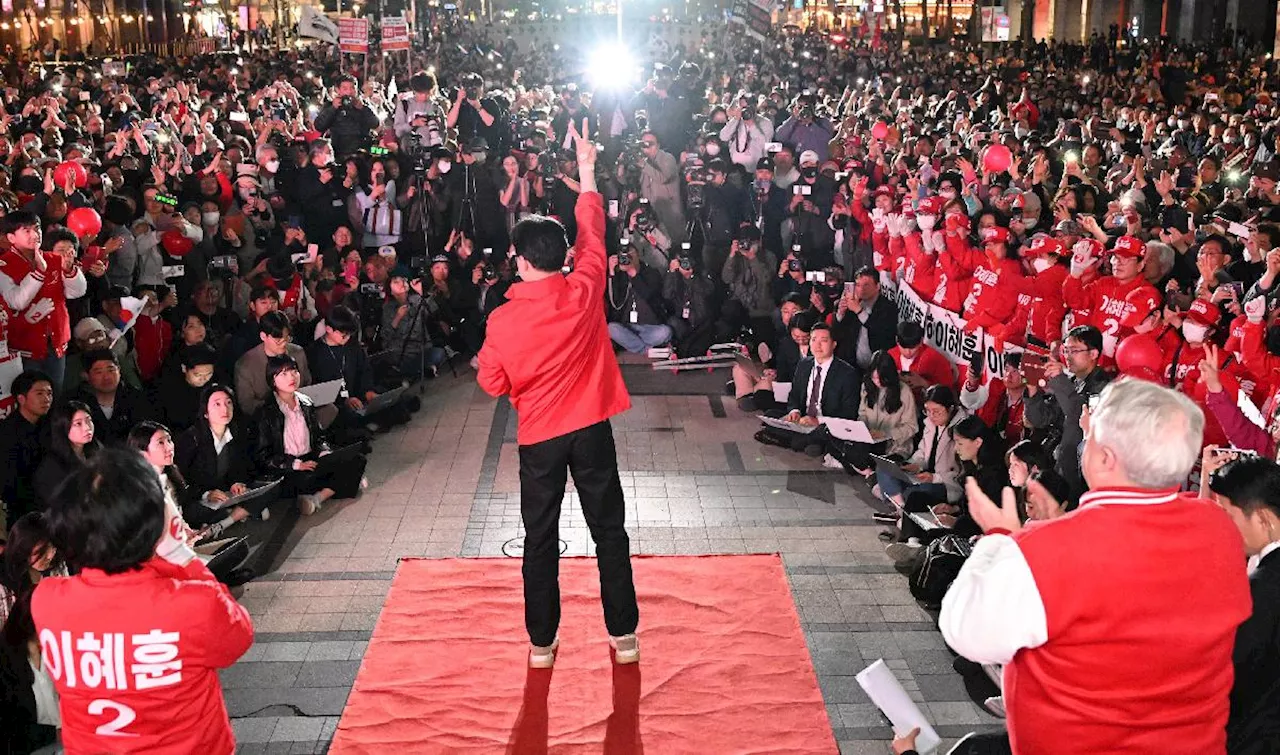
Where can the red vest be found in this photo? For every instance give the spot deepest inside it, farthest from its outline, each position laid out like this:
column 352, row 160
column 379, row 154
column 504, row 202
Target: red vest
column 45, row 322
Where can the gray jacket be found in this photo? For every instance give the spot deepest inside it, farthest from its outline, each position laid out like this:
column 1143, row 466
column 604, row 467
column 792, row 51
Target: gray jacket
column 252, row 388
column 750, row 281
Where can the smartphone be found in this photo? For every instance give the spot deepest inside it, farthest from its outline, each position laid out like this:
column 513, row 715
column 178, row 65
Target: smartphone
column 1032, row 368
column 613, row 208
column 172, row 271
column 1233, row 451
column 239, row 117
column 1239, row 230
column 850, row 288
column 815, row 276
column 84, row 96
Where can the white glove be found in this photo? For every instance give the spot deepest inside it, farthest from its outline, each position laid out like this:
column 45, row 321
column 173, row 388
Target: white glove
column 926, row 240
column 939, row 241
column 878, row 223
column 1081, row 258
column 894, row 224
column 1256, row 308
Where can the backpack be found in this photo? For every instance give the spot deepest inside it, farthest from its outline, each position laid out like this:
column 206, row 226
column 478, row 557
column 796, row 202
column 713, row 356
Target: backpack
column 938, row 568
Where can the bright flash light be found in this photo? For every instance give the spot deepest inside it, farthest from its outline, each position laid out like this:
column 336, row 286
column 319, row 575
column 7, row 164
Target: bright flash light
column 1234, row 176
column 313, row 109
column 431, row 70
column 1086, row 81
column 162, row 138
column 56, row 87
column 611, row 67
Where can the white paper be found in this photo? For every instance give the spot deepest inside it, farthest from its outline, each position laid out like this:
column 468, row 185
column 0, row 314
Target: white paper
column 781, row 392
column 878, row 681
column 322, row 394
column 848, row 429
column 1250, row 410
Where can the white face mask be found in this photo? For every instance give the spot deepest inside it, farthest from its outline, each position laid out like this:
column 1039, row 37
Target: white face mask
column 445, row 166
column 1040, row 264
column 926, row 222
column 210, row 218
column 273, row 166
column 1030, row 223
column 1194, row 332
column 713, row 149
column 947, row 194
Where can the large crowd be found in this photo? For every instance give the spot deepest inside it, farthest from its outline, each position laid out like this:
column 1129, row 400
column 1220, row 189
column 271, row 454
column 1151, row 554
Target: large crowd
column 968, row 249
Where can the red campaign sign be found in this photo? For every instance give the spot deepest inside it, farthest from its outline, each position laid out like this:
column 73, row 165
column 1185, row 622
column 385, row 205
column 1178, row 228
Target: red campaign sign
column 395, row 34
column 353, row 35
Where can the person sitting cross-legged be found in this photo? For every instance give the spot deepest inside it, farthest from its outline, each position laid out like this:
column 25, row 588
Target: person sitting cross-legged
column 823, row 386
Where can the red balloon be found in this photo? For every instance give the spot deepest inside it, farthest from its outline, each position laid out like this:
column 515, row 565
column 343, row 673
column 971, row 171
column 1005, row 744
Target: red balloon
column 997, row 159
column 880, row 130
column 177, row 243
column 70, row 168
column 84, row 222
column 1140, row 356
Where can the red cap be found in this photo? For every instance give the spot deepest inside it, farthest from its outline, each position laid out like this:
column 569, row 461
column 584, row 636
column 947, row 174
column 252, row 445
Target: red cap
column 931, row 206
column 1044, row 244
column 884, row 191
column 995, row 235
column 1204, row 312
column 1128, row 246
column 1141, row 303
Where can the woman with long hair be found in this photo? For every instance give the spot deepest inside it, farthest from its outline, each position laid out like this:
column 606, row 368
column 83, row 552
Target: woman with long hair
column 71, row 446
column 214, row 455
column 889, row 411
column 290, row 443
column 29, row 715
column 513, row 191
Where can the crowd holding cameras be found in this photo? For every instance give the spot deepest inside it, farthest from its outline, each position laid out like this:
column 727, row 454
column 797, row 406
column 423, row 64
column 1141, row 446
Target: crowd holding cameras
column 188, row 248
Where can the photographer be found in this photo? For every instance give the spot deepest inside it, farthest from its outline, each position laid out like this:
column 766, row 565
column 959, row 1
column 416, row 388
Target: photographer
column 688, row 296
column 419, row 121
column 660, row 184
column 721, row 211
column 474, row 117
column 346, row 119
column 746, row 135
column 811, row 199
column 475, row 206
column 405, row 318
column 648, row 239
column 749, row 274
column 322, row 192
column 766, row 206
column 634, row 305
column 426, row 203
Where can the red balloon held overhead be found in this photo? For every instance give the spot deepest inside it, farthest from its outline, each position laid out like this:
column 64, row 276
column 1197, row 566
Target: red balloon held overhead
column 68, row 169
column 177, row 243
column 997, row 159
column 880, row 130
column 84, row 222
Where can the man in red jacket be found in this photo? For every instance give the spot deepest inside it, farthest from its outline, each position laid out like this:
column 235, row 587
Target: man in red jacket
column 35, row 286
column 549, row 349
column 1115, row 622
column 1106, row 297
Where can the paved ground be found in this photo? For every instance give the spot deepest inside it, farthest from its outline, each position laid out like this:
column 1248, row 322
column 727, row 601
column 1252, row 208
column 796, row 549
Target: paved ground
column 695, row 482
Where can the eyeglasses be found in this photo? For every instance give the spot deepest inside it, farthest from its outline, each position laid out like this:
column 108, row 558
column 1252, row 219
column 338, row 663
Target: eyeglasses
column 1081, row 350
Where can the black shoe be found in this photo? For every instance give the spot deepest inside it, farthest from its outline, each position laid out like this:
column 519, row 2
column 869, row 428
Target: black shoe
column 237, row 577
column 814, row 449
column 769, row 439
column 730, row 388
column 885, row 517
column 747, row 404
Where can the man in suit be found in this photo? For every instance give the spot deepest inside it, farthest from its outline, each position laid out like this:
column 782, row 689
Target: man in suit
column 824, row 386
column 866, row 322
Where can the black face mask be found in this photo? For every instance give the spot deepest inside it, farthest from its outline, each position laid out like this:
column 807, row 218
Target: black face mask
column 1273, row 340
column 809, row 172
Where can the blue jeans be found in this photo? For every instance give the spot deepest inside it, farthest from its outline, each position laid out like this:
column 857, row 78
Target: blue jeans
column 639, row 338
column 891, row 486
column 53, row 366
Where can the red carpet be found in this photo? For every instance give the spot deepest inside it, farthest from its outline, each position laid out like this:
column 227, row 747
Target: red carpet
column 723, row 670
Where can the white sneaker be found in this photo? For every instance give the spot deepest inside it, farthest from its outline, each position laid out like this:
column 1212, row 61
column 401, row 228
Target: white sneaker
column 544, row 657
column 626, row 649
column 831, row 462
column 308, row 504
column 994, row 706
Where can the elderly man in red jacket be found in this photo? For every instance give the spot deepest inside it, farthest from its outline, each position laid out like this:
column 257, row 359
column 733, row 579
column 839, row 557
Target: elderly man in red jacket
column 1116, row 622
column 549, row 349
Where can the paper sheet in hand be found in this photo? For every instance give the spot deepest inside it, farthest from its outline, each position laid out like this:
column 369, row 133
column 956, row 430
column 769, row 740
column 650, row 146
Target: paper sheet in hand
column 890, row 467
column 1250, row 410
column 927, row 520
column 339, row 456
column 878, row 681
column 322, row 394
column 245, row 497
column 381, row 401
column 848, row 429
column 782, row 424
column 781, row 392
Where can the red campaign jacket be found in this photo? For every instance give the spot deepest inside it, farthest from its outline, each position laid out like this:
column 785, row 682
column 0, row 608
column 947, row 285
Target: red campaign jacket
column 993, row 297
column 135, row 657
column 1045, row 315
column 858, row 211
column 882, row 254
column 38, row 303
column 1104, row 297
column 549, row 346
column 956, row 263
column 921, row 266
column 928, row 364
column 1182, row 372
column 152, row 341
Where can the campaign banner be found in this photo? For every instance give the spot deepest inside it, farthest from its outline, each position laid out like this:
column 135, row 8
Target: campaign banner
column 395, row 33
column 754, row 16
column 353, row 35
column 315, row 25
column 944, row 330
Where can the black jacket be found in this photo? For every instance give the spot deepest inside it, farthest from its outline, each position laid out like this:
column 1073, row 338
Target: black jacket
column 347, row 362
column 695, row 293
column 1254, row 725
column 323, row 205
column 645, row 289
column 131, row 407
column 348, row 127
column 841, row 389
column 53, row 469
column 882, row 330
column 269, row 450
column 176, row 401
column 22, row 449
column 770, row 210
column 197, row 460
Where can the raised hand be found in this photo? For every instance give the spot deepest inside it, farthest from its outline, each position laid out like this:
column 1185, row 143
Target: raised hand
column 987, row 513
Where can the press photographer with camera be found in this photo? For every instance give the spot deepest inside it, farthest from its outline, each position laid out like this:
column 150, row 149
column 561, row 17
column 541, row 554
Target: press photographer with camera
column 346, row 118
column 748, row 273
column 635, row 309
column 746, row 134
column 426, row 204
column 810, row 207
column 766, row 206
column 406, row 315
column 323, row 192
column 660, row 184
column 419, row 120
column 474, row 115
column 718, row 206
column 475, row 206
column 648, row 239
column 689, row 297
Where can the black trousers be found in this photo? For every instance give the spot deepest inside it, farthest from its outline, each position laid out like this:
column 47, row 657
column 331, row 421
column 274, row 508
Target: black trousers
column 591, row 456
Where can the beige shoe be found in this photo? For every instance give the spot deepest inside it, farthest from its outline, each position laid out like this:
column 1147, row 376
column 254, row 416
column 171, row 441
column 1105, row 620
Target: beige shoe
column 308, row 504
column 543, row 657
column 626, row 649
